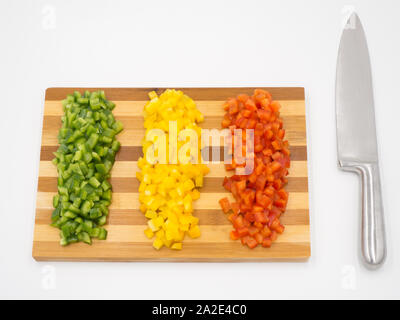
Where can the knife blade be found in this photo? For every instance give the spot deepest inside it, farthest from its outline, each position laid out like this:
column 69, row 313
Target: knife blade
column 356, row 135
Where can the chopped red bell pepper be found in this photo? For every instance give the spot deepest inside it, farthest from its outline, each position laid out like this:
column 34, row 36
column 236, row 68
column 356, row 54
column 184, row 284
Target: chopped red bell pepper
column 260, row 197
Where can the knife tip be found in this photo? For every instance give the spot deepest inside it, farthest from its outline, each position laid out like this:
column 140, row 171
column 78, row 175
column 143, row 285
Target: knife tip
column 353, row 15
column 352, row 21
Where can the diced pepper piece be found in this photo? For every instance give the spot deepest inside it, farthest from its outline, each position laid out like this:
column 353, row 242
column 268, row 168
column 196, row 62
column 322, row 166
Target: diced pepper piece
column 105, row 185
column 157, row 244
column 92, row 141
column 177, row 246
column 84, row 237
column 194, row 232
column 149, row 233
column 95, row 232
column 225, row 205
column 102, row 234
column 151, row 225
column 56, row 200
column 94, row 182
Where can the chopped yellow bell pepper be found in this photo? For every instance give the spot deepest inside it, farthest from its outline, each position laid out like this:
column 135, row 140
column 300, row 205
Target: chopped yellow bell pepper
column 158, row 243
column 158, row 222
column 188, row 185
column 187, row 203
column 149, row 233
column 151, row 225
column 152, row 95
column 199, row 181
column 194, row 232
column 150, row 214
column 160, row 234
column 177, row 246
column 167, row 191
column 195, row 194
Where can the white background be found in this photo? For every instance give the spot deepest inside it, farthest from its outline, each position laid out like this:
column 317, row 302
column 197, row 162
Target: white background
column 204, row 43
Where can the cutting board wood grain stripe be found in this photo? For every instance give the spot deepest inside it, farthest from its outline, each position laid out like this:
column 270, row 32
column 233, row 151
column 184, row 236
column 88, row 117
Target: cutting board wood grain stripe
column 297, row 153
column 126, row 241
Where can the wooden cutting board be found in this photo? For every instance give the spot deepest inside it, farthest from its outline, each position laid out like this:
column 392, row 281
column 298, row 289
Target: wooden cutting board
column 126, row 240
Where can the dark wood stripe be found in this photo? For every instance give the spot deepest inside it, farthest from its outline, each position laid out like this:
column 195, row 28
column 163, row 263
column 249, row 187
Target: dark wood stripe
column 294, row 123
column 206, row 216
column 51, row 123
column 298, row 153
column 131, row 185
column 133, row 153
column 219, row 94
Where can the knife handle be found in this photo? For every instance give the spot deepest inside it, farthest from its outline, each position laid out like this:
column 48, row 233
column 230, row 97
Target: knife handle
column 373, row 240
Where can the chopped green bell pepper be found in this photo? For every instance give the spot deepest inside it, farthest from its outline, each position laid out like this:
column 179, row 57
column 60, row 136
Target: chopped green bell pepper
column 84, row 160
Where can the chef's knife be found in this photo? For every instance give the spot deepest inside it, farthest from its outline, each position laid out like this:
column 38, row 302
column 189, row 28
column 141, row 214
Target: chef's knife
column 356, row 135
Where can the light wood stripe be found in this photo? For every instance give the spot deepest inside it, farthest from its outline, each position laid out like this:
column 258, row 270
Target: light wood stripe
column 297, row 200
column 128, row 169
column 143, row 251
column 134, row 233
